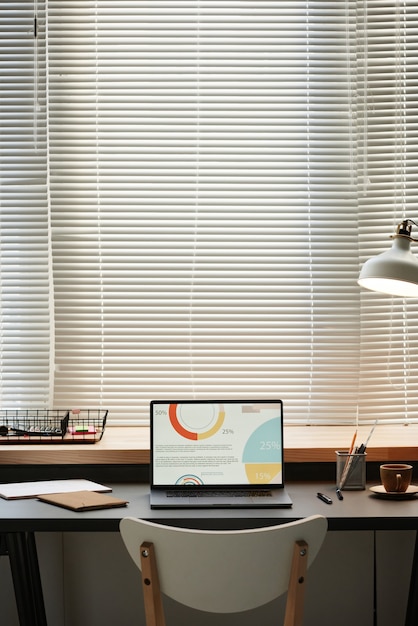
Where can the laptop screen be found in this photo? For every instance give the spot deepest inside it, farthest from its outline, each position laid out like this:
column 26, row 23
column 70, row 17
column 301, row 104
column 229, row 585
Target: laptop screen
column 231, row 443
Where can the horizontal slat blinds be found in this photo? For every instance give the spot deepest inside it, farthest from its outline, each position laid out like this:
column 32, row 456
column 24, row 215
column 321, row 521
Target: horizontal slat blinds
column 388, row 167
column 189, row 216
column 25, row 298
column 203, row 207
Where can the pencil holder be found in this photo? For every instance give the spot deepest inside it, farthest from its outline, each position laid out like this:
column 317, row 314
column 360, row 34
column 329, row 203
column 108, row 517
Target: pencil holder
column 351, row 470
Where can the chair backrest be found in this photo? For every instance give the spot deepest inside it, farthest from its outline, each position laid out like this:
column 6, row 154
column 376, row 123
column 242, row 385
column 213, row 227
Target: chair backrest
column 225, row 571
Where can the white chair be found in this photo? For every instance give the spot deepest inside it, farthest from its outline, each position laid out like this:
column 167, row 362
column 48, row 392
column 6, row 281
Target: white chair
column 223, row 571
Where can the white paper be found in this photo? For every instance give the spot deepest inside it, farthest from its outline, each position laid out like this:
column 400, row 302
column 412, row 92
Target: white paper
column 40, row 487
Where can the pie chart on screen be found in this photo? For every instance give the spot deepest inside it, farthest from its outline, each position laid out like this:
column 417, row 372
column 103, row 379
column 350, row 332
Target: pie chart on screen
column 262, row 454
column 193, row 421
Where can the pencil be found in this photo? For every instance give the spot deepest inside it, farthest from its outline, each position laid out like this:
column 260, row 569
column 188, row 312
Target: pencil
column 347, row 463
column 353, row 442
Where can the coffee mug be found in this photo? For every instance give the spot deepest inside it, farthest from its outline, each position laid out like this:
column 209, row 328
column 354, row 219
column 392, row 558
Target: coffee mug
column 396, row 477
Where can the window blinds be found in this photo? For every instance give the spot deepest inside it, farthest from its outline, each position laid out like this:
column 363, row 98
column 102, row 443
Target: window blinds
column 26, row 312
column 208, row 165
column 388, row 167
column 191, row 198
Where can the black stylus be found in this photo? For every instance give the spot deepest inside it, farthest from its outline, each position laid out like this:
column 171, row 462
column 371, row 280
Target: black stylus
column 324, row 498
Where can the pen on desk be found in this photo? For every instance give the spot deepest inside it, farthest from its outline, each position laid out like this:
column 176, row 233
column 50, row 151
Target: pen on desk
column 339, row 494
column 324, row 498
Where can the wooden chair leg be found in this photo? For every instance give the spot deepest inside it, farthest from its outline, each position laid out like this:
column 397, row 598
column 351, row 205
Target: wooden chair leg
column 154, row 611
column 296, row 591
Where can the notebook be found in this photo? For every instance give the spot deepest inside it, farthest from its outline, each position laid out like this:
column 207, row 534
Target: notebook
column 217, row 454
column 83, row 500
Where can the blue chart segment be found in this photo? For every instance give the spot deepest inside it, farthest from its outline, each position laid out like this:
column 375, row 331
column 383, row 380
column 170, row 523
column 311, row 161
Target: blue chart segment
column 262, row 453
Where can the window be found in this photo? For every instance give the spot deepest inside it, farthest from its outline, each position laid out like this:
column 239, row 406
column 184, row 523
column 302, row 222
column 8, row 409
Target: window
column 203, row 179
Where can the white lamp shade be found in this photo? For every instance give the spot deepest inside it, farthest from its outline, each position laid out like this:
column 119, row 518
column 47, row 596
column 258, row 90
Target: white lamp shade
column 394, row 272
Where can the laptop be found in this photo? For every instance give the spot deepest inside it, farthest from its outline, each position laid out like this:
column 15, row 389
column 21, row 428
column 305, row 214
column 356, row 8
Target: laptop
column 226, row 453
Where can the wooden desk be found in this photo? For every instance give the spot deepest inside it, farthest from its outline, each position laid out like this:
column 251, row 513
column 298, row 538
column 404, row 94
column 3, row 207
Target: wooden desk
column 303, row 444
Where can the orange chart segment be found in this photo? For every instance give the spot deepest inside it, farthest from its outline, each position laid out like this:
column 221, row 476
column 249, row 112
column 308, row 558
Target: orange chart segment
column 172, row 413
column 211, row 428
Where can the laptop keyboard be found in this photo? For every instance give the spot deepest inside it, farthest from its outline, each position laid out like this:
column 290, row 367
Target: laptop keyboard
column 214, row 493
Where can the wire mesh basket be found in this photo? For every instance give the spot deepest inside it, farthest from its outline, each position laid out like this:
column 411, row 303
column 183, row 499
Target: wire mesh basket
column 52, row 425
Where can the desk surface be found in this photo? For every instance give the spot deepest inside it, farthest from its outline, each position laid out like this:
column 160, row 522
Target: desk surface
column 360, row 510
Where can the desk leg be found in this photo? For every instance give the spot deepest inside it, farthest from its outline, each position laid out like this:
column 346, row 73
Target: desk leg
column 412, row 610
column 38, row 596
column 21, row 549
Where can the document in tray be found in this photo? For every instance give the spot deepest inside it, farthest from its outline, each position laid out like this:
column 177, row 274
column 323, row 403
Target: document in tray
column 32, row 489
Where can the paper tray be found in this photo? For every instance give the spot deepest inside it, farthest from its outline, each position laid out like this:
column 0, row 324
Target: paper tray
column 52, row 426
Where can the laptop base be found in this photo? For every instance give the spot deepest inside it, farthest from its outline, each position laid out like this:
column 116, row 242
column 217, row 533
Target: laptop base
column 278, row 498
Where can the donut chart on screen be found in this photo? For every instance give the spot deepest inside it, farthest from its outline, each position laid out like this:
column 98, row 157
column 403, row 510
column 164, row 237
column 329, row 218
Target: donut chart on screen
column 262, row 454
column 192, row 426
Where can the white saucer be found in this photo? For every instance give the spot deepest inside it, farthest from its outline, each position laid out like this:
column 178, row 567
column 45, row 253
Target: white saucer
column 380, row 491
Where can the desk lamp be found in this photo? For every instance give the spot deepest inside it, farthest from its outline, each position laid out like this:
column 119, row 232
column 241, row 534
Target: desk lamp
column 394, row 272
